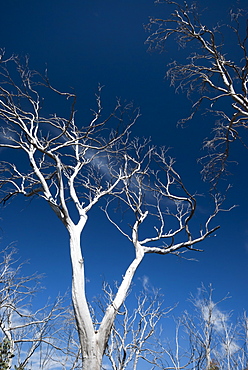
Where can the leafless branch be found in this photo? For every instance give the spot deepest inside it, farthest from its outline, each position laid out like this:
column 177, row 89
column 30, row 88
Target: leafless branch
column 218, row 74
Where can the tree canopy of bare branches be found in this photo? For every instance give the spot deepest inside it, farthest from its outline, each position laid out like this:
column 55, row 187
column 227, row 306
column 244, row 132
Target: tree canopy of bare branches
column 215, row 70
column 74, row 166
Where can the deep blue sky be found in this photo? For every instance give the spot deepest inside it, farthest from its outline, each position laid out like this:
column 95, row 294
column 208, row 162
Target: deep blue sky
column 84, row 43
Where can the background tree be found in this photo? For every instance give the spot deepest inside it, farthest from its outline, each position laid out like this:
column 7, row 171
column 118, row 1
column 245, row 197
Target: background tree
column 134, row 335
column 208, row 337
column 215, row 70
column 23, row 329
column 73, row 167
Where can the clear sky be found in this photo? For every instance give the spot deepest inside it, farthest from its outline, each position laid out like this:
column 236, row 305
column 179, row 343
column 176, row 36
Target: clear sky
column 86, row 42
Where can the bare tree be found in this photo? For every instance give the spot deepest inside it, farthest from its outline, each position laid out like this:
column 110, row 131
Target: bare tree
column 208, row 338
column 216, row 70
column 24, row 331
column 74, row 167
column 134, row 335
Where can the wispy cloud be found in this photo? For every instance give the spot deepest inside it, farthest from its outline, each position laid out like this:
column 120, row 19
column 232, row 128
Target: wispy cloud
column 146, row 284
column 212, row 314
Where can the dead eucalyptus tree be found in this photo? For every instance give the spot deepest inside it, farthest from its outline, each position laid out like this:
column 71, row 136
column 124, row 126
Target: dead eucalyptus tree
column 23, row 330
column 212, row 67
column 73, row 167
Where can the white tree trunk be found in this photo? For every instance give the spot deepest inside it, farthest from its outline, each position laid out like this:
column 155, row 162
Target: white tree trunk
column 112, row 310
column 91, row 352
column 93, row 343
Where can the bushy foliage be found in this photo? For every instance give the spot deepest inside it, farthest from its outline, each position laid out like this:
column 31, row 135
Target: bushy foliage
column 5, row 354
column 214, row 365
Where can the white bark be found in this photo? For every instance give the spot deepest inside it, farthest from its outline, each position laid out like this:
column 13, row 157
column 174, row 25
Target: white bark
column 93, row 343
column 112, row 310
column 86, row 332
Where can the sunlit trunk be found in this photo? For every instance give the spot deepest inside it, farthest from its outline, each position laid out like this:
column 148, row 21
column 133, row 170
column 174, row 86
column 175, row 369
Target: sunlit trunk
column 208, row 357
column 93, row 343
column 112, row 310
column 87, row 336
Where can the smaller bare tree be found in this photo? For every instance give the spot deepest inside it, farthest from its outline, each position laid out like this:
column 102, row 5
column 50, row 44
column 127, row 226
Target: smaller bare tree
column 208, row 339
column 134, row 335
column 22, row 330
